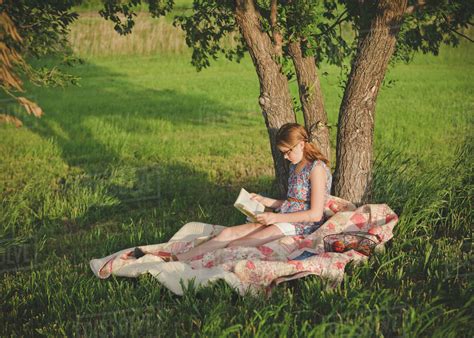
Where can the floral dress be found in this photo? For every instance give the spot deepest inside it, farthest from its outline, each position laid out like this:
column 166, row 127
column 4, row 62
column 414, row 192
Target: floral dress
column 299, row 187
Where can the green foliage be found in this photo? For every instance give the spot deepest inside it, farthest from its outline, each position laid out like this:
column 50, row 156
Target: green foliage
column 114, row 8
column 55, row 75
column 206, row 28
column 318, row 25
column 43, row 25
column 33, row 29
column 427, row 28
column 424, row 29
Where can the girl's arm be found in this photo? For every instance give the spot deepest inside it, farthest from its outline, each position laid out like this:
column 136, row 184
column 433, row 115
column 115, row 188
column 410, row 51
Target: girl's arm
column 268, row 202
column 318, row 190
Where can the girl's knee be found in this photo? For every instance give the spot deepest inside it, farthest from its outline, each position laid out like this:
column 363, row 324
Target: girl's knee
column 238, row 231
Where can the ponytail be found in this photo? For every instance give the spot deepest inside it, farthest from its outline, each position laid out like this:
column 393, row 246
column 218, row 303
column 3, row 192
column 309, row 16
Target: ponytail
column 312, row 153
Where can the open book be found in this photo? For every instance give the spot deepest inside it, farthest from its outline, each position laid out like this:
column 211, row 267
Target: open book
column 248, row 206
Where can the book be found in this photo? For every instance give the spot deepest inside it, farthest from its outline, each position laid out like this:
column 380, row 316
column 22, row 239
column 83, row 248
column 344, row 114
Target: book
column 248, row 206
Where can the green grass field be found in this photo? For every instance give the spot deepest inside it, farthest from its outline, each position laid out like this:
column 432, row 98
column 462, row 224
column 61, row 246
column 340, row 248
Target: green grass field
column 146, row 144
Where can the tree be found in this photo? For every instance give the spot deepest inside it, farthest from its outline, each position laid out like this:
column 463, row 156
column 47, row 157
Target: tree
column 32, row 29
column 384, row 27
column 274, row 36
column 376, row 43
column 282, row 35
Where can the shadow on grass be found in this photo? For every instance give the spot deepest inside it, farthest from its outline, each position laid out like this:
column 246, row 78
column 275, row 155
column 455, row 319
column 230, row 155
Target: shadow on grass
column 105, row 99
column 91, row 123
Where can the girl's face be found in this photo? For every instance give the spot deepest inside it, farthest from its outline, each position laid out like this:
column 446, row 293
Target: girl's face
column 294, row 154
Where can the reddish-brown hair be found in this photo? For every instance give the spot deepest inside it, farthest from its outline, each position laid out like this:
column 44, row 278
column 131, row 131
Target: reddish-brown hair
column 290, row 134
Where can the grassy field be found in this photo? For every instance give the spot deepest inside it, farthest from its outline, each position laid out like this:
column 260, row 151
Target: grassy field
column 146, row 144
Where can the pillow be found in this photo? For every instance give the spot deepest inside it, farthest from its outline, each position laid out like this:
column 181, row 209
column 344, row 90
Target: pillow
column 335, row 204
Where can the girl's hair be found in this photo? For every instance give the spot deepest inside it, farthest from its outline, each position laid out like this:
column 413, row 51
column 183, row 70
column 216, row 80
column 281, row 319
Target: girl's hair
column 290, row 134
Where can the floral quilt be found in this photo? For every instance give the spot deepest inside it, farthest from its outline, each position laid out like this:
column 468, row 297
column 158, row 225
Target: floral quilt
column 256, row 269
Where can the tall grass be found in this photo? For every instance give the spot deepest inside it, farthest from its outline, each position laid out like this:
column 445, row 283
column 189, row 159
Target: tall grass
column 146, row 144
column 91, row 36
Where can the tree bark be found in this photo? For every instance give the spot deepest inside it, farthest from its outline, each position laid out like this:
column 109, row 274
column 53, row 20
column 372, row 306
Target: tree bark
column 275, row 99
column 354, row 159
column 311, row 97
column 277, row 37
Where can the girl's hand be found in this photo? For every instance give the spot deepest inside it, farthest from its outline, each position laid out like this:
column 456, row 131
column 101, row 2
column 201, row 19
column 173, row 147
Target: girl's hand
column 267, row 218
column 257, row 197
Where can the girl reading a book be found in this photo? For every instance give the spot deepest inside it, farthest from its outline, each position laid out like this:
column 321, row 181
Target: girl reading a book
column 309, row 185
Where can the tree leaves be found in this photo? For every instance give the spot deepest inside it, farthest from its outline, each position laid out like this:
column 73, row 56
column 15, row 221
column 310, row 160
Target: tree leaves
column 429, row 26
column 206, row 28
column 123, row 13
column 31, row 107
column 32, row 28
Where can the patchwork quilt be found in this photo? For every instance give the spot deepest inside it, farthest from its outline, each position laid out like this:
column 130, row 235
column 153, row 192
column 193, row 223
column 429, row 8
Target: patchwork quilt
column 257, row 269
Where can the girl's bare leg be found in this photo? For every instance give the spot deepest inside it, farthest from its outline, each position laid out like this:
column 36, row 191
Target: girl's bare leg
column 256, row 238
column 221, row 240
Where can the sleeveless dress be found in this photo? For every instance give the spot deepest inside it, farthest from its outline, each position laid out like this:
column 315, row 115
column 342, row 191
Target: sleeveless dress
column 299, row 187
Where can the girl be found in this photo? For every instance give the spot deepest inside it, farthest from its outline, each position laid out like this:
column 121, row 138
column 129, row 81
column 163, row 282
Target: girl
column 309, row 185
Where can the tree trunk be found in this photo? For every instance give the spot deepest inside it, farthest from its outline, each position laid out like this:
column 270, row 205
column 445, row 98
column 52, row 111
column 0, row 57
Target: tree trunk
column 353, row 175
column 311, row 97
column 275, row 100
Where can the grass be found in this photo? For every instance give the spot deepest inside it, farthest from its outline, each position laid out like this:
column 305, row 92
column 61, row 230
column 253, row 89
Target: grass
column 94, row 36
column 146, row 144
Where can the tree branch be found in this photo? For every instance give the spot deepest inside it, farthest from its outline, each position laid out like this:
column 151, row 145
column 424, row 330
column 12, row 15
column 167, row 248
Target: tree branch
column 455, row 31
column 339, row 20
column 461, row 34
column 277, row 38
